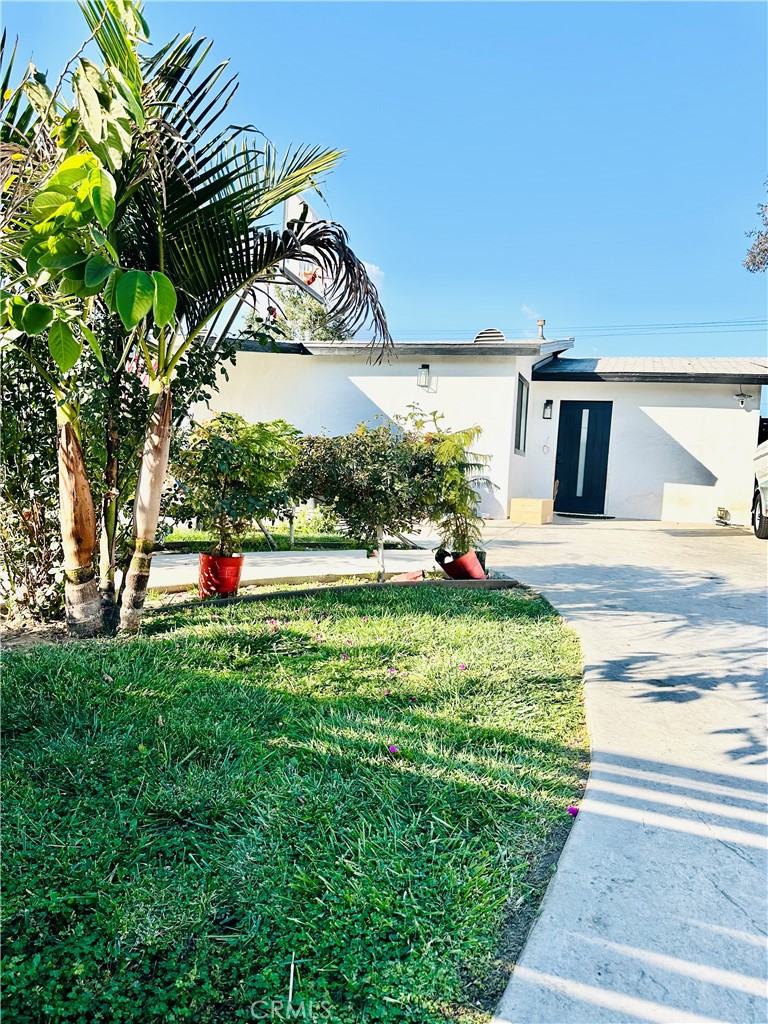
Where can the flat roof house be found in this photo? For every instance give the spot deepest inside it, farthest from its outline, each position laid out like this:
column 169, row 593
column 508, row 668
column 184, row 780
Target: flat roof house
column 669, row 439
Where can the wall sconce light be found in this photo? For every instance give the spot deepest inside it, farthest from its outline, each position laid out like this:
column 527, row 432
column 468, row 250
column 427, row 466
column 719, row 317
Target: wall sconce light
column 547, row 414
column 422, row 377
column 742, row 397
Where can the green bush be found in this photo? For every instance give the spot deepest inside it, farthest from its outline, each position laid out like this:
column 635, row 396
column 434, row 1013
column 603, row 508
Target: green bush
column 232, row 472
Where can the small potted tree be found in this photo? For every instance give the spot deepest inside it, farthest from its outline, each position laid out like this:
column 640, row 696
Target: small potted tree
column 231, row 473
column 454, row 499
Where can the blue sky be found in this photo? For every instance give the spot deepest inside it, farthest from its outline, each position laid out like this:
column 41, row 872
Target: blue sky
column 594, row 164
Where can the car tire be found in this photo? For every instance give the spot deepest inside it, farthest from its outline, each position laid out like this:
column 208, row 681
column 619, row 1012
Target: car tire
column 759, row 518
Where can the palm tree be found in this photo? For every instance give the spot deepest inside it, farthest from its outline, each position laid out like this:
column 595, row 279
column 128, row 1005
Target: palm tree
column 193, row 202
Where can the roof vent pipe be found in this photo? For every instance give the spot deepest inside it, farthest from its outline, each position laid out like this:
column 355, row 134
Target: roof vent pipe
column 541, row 329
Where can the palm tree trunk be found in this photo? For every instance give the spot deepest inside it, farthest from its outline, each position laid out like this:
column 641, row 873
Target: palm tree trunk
column 109, row 526
column 78, row 536
column 146, row 511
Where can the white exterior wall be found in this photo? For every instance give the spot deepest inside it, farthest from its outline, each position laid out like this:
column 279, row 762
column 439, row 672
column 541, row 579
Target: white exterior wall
column 677, row 451
column 520, row 479
column 332, row 394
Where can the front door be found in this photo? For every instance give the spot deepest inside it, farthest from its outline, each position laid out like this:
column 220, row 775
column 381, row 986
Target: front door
column 581, row 463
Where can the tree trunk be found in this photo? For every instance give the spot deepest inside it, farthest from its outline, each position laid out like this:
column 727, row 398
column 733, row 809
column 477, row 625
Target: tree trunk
column 109, row 527
column 146, row 511
column 291, row 530
column 78, row 536
column 270, row 539
column 380, row 553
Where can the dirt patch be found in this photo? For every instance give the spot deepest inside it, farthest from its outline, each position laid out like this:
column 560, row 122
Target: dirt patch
column 21, row 636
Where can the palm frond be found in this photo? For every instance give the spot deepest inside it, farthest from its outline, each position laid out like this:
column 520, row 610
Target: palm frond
column 202, row 192
column 112, row 41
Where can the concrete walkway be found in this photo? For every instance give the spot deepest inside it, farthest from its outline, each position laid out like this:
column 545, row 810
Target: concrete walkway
column 177, row 572
column 657, row 911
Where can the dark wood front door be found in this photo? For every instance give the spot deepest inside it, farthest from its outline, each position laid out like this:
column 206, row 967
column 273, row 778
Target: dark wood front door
column 581, row 463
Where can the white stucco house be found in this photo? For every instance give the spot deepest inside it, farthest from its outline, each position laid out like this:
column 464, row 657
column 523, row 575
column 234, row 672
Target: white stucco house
column 666, row 439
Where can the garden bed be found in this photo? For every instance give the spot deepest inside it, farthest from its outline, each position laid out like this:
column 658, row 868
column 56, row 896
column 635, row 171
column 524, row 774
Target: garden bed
column 369, row 782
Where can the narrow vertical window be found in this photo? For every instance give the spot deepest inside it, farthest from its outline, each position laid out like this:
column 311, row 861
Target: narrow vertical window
column 582, row 453
column 521, row 415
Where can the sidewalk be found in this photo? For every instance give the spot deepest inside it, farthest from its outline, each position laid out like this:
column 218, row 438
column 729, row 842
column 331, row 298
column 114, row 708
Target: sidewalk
column 171, row 572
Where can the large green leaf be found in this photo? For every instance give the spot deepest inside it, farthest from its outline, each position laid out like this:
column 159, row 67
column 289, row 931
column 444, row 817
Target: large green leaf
column 47, row 203
column 110, row 289
column 15, row 308
column 72, row 171
column 38, row 93
column 101, row 189
column 36, row 318
column 69, row 130
column 97, row 269
column 134, row 295
column 164, row 304
column 62, row 252
column 92, row 114
column 65, row 349
column 79, row 215
column 33, row 258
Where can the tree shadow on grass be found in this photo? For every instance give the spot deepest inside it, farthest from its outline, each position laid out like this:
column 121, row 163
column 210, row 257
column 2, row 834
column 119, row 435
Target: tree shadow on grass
column 212, row 749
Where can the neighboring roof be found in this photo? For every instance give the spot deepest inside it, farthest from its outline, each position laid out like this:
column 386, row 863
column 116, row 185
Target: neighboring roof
column 526, row 347
column 746, row 370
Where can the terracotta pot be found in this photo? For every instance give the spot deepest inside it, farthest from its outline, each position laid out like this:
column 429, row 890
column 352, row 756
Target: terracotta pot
column 465, row 566
column 219, row 576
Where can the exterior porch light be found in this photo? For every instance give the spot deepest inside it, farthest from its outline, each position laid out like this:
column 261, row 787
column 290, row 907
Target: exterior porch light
column 547, row 414
column 422, row 377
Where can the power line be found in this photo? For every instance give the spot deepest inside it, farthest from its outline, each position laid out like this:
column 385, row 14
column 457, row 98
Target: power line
column 741, row 325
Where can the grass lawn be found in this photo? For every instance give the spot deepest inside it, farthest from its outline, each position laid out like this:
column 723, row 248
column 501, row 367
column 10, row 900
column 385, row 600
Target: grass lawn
column 365, row 783
column 187, row 539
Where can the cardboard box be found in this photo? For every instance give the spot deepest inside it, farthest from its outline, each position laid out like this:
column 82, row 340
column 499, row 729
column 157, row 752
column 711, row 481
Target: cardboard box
column 531, row 510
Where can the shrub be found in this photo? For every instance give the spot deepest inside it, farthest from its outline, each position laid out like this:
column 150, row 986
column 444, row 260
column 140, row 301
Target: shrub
column 233, row 472
column 32, row 577
column 374, row 480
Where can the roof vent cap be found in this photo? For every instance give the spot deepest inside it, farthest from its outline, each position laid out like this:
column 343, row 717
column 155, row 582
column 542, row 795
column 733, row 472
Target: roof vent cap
column 491, row 335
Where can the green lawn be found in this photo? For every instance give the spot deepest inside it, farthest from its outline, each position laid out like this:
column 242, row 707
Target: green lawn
column 184, row 538
column 366, row 783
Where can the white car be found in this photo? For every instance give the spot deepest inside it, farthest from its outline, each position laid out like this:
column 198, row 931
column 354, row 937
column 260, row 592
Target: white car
column 760, row 498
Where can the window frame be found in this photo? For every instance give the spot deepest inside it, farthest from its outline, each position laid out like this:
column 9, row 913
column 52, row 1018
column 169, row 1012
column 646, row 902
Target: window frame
column 522, row 408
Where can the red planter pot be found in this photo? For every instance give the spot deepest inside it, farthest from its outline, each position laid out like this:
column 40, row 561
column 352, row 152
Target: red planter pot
column 461, row 567
column 219, row 576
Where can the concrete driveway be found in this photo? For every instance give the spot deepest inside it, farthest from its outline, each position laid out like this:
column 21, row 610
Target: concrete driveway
column 659, row 907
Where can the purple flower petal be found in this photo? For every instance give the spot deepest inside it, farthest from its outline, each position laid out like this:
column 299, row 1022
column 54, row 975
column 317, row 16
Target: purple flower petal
column 462, row 667
column 573, row 811
column 393, row 749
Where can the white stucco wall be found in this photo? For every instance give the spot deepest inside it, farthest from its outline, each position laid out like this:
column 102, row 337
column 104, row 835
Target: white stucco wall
column 677, row 451
column 332, row 394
